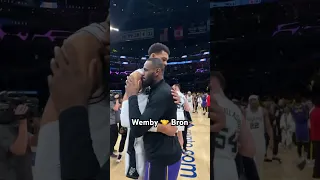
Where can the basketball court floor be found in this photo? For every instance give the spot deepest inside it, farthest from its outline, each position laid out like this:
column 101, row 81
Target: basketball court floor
column 195, row 166
column 287, row 170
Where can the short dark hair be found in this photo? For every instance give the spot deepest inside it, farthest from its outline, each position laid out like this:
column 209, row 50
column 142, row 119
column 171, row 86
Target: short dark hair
column 157, row 63
column 219, row 76
column 158, row 48
column 178, row 85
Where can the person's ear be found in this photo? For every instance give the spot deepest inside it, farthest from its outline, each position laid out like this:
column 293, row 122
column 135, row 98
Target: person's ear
column 158, row 70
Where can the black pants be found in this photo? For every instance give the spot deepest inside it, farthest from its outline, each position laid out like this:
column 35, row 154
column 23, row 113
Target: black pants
column 316, row 152
column 275, row 144
column 239, row 164
column 113, row 136
column 204, row 108
column 195, row 107
column 212, row 151
column 294, row 138
column 184, row 135
column 250, row 169
column 305, row 146
column 122, row 142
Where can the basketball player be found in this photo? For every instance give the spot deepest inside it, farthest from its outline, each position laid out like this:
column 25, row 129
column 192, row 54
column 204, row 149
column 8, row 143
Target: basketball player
column 163, row 152
column 300, row 116
column 258, row 120
column 287, row 128
column 195, row 103
column 190, row 100
column 182, row 134
column 235, row 131
column 50, row 154
column 204, row 103
column 138, row 143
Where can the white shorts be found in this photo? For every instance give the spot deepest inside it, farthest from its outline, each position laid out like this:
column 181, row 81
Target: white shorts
column 225, row 169
column 180, row 116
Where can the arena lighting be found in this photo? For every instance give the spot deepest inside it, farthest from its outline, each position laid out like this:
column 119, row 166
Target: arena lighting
column 184, row 56
column 206, row 53
column 143, row 58
column 125, row 63
column 129, row 72
column 123, row 57
column 113, row 29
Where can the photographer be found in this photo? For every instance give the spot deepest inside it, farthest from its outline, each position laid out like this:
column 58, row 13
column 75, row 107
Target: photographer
column 15, row 152
column 114, row 119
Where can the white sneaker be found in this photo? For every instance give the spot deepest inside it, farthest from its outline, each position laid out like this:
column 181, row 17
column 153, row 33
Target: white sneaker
column 310, row 163
column 119, row 158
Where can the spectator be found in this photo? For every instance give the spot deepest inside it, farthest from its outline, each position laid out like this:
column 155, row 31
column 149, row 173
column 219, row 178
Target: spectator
column 15, row 152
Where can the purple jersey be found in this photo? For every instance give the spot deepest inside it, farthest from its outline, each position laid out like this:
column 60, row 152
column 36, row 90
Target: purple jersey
column 300, row 116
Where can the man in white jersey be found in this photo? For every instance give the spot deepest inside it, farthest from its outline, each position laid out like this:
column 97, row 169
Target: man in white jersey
column 190, row 100
column 180, row 115
column 234, row 133
column 258, row 119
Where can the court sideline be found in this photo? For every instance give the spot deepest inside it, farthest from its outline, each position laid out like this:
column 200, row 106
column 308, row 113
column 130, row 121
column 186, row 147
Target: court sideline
column 196, row 166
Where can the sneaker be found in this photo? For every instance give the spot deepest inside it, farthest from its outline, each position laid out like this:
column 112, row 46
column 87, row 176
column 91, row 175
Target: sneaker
column 113, row 155
column 119, row 158
column 185, row 152
column 302, row 165
column 310, row 163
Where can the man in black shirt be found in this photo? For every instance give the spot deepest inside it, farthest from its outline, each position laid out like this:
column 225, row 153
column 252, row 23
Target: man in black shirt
column 163, row 152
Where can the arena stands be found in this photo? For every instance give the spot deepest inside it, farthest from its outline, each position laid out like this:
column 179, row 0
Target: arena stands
column 271, row 47
column 169, row 22
column 28, row 34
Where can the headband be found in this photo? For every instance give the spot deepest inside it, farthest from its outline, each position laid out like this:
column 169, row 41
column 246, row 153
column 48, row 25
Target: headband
column 253, row 97
column 139, row 71
column 98, row 30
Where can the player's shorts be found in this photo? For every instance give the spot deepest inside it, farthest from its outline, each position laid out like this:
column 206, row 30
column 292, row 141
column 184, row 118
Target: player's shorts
column 302, row 134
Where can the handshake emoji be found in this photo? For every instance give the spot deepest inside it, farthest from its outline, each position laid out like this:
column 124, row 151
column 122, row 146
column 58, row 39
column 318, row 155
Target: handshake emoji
column 164, row 122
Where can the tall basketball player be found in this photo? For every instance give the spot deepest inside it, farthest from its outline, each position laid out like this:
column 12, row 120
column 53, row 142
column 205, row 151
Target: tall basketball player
column 258, row 120
column 235, row 131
